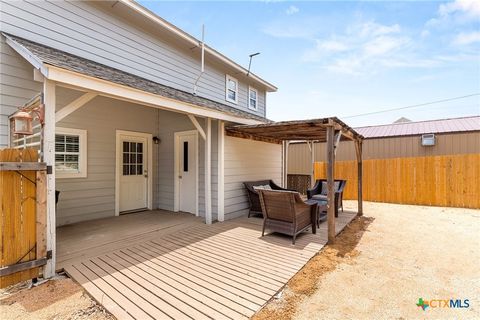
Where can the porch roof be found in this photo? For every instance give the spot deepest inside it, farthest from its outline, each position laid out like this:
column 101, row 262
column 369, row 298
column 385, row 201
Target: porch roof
column 57, row 58
column 276, row 132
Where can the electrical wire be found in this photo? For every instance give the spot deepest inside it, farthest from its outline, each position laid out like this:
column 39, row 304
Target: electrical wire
column 413, row 106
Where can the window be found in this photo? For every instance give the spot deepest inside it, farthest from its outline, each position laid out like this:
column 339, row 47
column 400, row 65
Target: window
column 185, row 156
column 132, row 158
column 231, row 89
column 252, row 98
column 70, row 153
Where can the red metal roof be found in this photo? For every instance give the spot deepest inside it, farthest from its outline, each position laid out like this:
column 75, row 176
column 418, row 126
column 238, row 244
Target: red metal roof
column 415, row 128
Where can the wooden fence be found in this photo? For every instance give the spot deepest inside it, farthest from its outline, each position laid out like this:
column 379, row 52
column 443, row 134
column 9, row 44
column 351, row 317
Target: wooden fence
column 446, row 181
column 22, row 215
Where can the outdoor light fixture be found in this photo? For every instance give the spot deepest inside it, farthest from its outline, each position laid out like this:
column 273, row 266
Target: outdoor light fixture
column 21, row 121
column 156, row 140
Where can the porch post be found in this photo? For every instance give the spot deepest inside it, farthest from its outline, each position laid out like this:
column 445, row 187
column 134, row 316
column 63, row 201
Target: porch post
column 49, row 157
column 221, row 171
column 330, row 185
column 358, row 149
column 208, row 172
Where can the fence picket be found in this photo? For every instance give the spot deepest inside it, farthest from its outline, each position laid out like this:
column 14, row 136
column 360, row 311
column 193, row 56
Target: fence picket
column 452, row 180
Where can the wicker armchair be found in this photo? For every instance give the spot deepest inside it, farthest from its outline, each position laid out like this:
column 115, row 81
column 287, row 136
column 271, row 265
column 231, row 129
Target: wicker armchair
column 285, row 212
column 319, row 192
column 253, row 197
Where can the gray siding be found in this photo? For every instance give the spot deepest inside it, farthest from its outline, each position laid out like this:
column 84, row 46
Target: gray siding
column 16, row 86
column 248, row 160
column 169, row 123
column 90, row 31
column 94, row 197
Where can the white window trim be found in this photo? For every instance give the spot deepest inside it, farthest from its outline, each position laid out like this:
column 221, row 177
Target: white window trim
column 227, row 78
column 256, row 99
column 82, row 159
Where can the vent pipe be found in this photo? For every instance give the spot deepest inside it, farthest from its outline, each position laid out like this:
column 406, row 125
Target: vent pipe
column 202, row 69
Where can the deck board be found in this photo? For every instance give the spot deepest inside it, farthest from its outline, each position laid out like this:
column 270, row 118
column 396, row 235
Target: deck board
column 162, row 265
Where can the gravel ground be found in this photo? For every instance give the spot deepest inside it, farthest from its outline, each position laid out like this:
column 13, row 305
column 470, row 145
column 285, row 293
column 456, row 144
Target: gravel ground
column 379, row 267
column 60, row 299
column 383, row 263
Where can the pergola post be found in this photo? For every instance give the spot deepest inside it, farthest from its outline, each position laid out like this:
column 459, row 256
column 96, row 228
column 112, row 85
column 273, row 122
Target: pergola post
column 312, row 158
column 285, row 163
column 330, row 184
column 358, row 149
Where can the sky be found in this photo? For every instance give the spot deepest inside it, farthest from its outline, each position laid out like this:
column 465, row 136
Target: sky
column 339, row 58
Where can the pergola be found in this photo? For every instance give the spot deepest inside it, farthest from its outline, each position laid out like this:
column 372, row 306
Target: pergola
column 328, row 130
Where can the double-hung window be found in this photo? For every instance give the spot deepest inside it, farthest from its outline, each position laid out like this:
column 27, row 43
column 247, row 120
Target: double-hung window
column 70, row 153
column 231, row 89
column 252, row 98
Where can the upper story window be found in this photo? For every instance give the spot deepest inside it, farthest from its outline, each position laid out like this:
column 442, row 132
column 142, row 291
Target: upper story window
column 231, row 89
column 70, row 153
column 252, row 98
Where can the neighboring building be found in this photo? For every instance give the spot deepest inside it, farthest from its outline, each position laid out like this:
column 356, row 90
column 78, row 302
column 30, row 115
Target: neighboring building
column 402, row 120
column 398, row 140
column 125, row 126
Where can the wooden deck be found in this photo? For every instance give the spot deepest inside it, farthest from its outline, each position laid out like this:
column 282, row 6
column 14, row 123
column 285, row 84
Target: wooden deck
column 159, row 265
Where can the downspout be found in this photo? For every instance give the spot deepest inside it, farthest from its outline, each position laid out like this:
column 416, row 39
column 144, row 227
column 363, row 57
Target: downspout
column 202, row 70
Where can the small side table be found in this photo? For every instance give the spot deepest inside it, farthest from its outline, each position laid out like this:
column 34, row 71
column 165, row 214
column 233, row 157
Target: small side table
column 321, row 210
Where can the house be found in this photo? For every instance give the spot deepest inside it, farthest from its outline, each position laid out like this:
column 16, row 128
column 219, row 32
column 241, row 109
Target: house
column 131, row 121
column 420, row 151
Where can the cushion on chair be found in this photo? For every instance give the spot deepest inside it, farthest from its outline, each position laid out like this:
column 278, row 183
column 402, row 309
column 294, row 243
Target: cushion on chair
column 320, row 197
column 264, row 187
column 324, row 188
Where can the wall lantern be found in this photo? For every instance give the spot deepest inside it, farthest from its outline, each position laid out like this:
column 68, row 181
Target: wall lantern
column 21, row 121
column 156, row 140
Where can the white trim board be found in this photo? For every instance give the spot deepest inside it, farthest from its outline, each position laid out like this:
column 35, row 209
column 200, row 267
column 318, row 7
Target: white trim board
column 121, row 92
column 118, row 156
column 176, row 182
column 83, row 156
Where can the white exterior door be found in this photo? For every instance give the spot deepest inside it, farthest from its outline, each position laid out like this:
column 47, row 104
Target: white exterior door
column 133, row 180
column 187, row 172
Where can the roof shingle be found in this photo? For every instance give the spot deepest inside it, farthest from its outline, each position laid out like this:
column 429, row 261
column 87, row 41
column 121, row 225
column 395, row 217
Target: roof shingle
column 87, row 67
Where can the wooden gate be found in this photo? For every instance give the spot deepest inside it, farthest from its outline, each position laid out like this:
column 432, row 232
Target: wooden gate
column 22, row 215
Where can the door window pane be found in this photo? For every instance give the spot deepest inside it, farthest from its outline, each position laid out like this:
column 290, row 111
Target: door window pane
column 132, row 158
column 185, row 156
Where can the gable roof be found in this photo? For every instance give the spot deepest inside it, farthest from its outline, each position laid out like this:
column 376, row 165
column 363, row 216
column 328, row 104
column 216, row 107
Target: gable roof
column 179, row 33
column 463, row 124
column 67, row 61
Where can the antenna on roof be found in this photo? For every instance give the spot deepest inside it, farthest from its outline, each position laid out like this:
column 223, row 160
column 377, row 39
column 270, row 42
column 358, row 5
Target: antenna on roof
column 250, row 62
column 202, row 69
